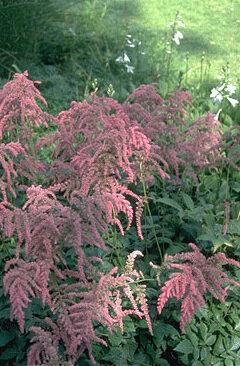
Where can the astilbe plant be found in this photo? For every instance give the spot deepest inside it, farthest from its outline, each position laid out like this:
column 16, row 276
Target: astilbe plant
column 45, row 229
column 196, row 275
column 99, row 148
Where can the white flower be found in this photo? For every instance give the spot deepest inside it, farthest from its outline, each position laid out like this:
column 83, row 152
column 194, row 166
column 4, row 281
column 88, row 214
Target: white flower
column 231, row 89
column 214, row 92
column 126, row 58
column 217, row 97
column 170, row 25
column 119, row 59
column 130, row 44
column 233, row 102
column 220, row 88
column 130, row 69
column 180, row 24
column 217, row 115
column 177, row 36
column 123, row 59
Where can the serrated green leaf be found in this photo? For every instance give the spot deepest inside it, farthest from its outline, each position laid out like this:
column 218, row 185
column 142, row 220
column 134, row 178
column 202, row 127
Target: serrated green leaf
column 115, row 338
column 223, row 190
column 169, row 330
column 184, row 346
column 234, row 227
column 193, row 338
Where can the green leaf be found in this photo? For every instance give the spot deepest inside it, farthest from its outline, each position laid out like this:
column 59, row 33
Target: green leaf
column 203, row 330
column 116, row 354
column 192, row 337
column 235, row 344
column 197, row 363
column 218, row 347
column 162, row 362
column 234, row 227
column 236, row 187
column 115, row 338
column 203, row 353
column 184, row 347
column 170, row 202
column 223, row 190
column 140, row 359
column 211, row 340
column 229, row 362
column 196, row 353
column 6, row 337
column 188, row 201
column 9, row 353
column 129, row 325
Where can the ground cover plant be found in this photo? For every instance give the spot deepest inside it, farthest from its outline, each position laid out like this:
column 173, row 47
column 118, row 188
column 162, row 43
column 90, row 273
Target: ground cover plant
column 108, row 221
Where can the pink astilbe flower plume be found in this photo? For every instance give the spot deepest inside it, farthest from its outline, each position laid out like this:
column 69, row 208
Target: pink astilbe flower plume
column 228, row 148
column 80, row 304
column 21, row 283
column 99, row 152
column 18, row 104
column 196, row 276
column 45, row 349
column 7, row 154
column 178, row 144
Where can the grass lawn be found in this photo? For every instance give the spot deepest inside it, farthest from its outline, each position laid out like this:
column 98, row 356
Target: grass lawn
column 84, row 38
column 210, row 26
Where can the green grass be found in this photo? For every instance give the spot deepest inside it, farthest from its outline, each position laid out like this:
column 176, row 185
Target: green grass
column 78, row 41
column 210, row 27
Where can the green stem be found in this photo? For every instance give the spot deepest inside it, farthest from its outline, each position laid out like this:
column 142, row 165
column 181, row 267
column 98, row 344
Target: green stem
column 150, row 214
